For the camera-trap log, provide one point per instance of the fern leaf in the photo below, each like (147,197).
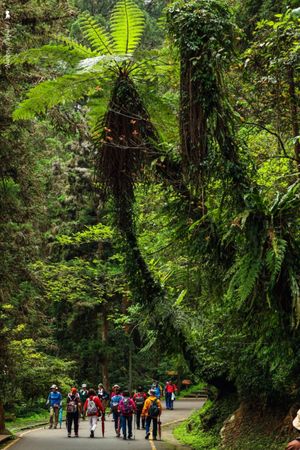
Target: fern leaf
(275,257)
(127,26)
(247,270)
(295,292)
(98,38)
(93,64)
(65,89)
(76,48)
(50,55)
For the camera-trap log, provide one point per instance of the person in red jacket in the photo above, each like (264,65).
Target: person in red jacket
(170,390)
(93,407)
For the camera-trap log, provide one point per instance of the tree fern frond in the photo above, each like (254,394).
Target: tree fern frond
(90,64)
(127,26)
(74,47)
(98,38)
(49,55)
(65,89)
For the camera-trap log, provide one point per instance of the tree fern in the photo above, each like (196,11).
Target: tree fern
(127,26)
(98,38)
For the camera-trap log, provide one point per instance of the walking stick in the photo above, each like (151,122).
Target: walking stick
(103,424)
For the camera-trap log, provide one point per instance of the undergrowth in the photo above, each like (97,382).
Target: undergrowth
(201,431)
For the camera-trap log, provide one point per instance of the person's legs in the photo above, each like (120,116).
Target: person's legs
(51,417)
(123,425)
(69,421)
(168,400)
(148,423)
(76,423)
(56,411)
(129,420)
(90,419)
(154,428)
(143,422)
(94,423)
(115,417)
(138,419)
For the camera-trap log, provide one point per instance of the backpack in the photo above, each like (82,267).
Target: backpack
(125,407)
(92,408)
(153,410)
(72,405)
(139,401)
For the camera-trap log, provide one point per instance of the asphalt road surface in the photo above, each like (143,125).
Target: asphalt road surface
(45,439)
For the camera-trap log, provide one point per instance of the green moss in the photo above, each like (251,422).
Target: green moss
(196,439)
(191,432)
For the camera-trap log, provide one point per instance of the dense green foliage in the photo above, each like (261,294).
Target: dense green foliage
(150,211)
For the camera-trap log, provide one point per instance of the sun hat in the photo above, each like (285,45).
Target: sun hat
(83,385)
(296,421)
(152,392)
(53,386)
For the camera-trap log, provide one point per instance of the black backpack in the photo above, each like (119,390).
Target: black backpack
(153,410)
(139,401)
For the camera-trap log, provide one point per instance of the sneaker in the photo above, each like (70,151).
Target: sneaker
(69,435)
(50,426)
(147,435)
(154,438)
(92,434)
(76,435)
(124,437)
(55,426)
(138,428)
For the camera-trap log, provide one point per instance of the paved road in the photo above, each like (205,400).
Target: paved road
(44,439)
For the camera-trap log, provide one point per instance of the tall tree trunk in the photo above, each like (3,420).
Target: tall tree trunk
(294,113)
(2,419)
(105,373)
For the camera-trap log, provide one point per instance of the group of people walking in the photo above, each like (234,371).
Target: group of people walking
(123,405)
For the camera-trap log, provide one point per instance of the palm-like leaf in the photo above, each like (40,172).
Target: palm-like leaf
(65,89)
(127,26)
(98,38)
(71,52)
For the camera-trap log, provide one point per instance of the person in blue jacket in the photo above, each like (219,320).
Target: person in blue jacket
(55,402)
(114,407)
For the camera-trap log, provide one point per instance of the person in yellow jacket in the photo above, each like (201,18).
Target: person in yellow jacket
(152,410)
